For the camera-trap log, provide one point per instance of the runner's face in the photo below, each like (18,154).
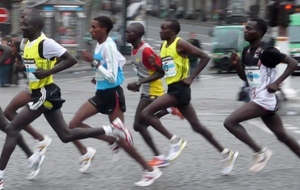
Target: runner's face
(24,13)
(130,36)
(250,32)
(165,30)
(27,27)
(96,30)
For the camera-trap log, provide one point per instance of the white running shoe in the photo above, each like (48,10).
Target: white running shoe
(85,160)
(41,146)
(176,149)
(149,177)
(121,132)
(1,184)
(116,151)
(260,159)
(229,161)
(34,163)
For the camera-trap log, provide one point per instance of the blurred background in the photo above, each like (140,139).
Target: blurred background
(66,20)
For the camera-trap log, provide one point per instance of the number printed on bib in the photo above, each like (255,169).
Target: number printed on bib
(30,68)
(253,78)
(168,66)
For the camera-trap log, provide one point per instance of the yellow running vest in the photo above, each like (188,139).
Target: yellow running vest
(176,67)
(33,61)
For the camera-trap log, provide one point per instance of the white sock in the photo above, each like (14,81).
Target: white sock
(173,138)
(169,110)
(161,156)
(33,157)
(2,174)
(107,129)
(226,150)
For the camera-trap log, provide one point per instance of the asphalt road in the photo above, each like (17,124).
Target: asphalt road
(214,98)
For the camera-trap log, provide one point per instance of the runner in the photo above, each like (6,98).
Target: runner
(22,98)
(109,98)
(173,53)
(151,87)
(258,68)
(46,96)
(32,157)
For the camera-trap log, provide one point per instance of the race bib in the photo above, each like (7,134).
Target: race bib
(253,78)
(30,68)
(168,66)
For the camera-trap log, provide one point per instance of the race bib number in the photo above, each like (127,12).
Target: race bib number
(30,68)
(168,66)
(253,78)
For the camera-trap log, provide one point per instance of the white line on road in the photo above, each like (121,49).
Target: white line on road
(291,128)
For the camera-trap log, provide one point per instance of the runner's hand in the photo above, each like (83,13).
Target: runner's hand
(93,81)
(87,56)
(234,58)
(41,73)
(133,87)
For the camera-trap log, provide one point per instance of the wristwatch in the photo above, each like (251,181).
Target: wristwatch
(138,83)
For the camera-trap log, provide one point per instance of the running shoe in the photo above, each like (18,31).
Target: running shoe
(121,132)
(1,184)
(85,160)
(116,152)
(34,163)
(260,159)
(229,160)
(149,177)
(158,162)
(175,111)
(41,146)
(176,148)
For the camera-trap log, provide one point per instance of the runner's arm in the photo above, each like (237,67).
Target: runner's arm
(184,48)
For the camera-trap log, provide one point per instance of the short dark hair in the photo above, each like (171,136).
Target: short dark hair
(139,28)
(261,24)
(175,25)
(105,21)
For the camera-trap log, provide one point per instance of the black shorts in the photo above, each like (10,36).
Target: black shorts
(49,97)
(106,101)
(181,91)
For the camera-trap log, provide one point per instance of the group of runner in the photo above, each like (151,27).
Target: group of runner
(44,57)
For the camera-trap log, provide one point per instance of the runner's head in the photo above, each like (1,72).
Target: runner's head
(32,25)
(169,28)
(26,12)
(100,27)
(134,32)
(255,29)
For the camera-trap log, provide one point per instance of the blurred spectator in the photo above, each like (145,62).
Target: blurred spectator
(16,62)
(5,69)
(193,60)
